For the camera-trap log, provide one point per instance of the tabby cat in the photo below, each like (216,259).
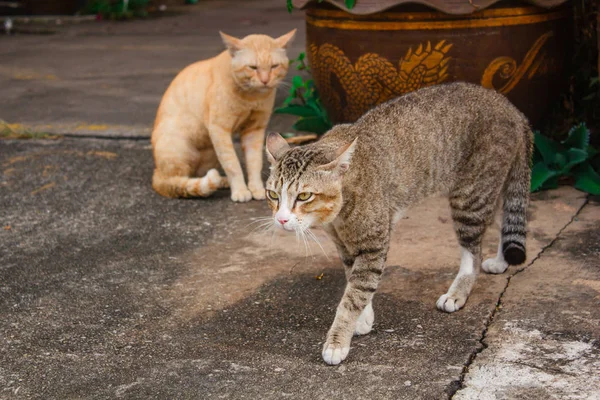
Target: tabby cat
(460,139)
(208,102)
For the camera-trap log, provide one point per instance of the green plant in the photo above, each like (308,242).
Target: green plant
(573,157)
(303,101)
(117,9)
(349,4)
(18,131)
(580,102)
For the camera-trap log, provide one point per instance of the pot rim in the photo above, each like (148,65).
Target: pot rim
(366,7)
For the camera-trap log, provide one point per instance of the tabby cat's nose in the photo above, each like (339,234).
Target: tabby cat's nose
(282,221)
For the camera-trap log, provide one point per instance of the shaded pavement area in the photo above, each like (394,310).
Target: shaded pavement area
(108,290)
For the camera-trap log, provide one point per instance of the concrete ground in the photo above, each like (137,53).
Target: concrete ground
(108,290)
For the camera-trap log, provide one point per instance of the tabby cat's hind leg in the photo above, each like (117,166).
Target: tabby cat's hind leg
(473,203)
(459,291)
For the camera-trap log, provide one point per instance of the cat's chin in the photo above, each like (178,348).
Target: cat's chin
(285,228)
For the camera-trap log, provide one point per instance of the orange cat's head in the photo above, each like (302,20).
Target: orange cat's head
(258,62)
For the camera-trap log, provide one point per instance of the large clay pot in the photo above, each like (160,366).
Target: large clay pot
(359,61)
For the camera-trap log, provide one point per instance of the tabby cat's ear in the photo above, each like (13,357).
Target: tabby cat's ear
(342,161)
(285,40)
(276,146)
(233,44)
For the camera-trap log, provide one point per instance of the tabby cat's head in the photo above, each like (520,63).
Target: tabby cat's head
(258,62)
(305,185)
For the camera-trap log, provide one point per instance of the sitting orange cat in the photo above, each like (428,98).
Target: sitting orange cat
(204,105)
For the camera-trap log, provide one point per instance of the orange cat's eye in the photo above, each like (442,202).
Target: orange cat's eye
(304,196)
(272,195)
(254,67)
(274,66)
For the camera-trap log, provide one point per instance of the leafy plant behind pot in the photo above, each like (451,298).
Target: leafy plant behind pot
(303,101)
(349,4)
(117,9)
(573,157)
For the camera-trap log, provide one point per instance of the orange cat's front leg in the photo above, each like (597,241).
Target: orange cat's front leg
(223,144)
(252,144)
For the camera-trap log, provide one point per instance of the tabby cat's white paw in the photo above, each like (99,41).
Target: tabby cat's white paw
(241,195)
(334,354)
(364,324)
(450,303)
(494,266)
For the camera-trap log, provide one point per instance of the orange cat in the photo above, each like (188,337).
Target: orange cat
(208,102)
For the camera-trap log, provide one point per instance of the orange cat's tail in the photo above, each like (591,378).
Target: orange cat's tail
(184,186)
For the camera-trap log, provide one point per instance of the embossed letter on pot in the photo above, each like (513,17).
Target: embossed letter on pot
(380,49)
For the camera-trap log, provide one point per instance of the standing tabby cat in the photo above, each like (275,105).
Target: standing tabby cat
(459,139)
(204,105)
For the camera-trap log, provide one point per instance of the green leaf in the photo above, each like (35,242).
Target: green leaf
(290,6)
(350,4)
(312,124)
(579,137)
(547,148)
(540,174)
(587,180)
(299,110)
(575,156)
(559,161)
(589,97)
(537,157)
(297,82)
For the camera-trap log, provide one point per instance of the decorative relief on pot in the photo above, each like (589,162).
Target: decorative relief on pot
(506,67)
(373,79)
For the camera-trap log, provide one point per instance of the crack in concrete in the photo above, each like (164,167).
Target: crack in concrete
(455,386)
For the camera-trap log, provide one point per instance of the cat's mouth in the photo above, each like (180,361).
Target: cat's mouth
(286,226)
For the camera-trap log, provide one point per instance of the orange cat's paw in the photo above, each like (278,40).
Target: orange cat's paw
(241,195)
(258,191)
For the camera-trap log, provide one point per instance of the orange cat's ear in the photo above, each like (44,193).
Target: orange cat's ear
(276,146)
(233,44)
(342,161)
(285,40)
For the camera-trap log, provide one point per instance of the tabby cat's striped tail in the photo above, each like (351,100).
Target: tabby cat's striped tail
(516,200)
(183,186)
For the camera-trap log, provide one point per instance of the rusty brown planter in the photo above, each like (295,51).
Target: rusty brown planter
(359,61)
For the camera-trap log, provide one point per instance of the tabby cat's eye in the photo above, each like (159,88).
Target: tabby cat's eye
(272,195)
(274,66)
(304,196)
(254,67)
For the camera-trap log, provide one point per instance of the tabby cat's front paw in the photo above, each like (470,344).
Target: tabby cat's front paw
(335,353)
(241,195)
(258,190)
(451,302)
